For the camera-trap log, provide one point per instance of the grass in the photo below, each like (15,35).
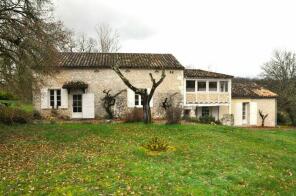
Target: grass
(86,159)
(18,104)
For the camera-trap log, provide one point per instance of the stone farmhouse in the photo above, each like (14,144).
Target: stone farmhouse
(199,92)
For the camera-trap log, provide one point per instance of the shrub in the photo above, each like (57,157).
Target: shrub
(13,115)
(207,119)
(283,119)
(156,144)
(135,115)
(173,115)
(6,96)
(191,119)
(36,115)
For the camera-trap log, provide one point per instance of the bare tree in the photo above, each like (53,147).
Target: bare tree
(109,102)
(263,117)
(280,76)
(70,44)
(141,91)
(85,44)
(108,38)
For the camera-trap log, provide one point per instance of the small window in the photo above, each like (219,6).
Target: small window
(58,97)
(138,100)
(205,111)
(52,98)
(244,111)
(186,113)
(201,86)
(190,85)
(223,86)
(55,98)
(212,86)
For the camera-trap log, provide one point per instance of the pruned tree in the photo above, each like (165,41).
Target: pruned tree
(280,76)
(29,41)
(147,96)
(109,101)
(108,38)
(173,111)
(168,101)
(263,117)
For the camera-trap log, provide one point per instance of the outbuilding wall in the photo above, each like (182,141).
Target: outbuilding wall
(266,105)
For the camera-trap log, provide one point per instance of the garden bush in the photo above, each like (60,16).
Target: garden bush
(283,119)
(156,144)
(36,115)
(135,115)
(207,119)
(13,115)
(173,115)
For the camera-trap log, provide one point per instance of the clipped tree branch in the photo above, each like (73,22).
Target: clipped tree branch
(109,101)
(263,117)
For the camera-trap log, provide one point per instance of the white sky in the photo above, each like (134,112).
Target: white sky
(229,36)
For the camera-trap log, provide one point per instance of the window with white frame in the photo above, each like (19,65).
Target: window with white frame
(201,86)
(223,86)
(55,98)
(213,86)
(138,100)
(190,85)
(205,111)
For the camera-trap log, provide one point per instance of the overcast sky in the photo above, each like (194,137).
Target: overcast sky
(229,36)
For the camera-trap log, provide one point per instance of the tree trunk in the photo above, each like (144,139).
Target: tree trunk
(109,112)
(262,124)
(146,110)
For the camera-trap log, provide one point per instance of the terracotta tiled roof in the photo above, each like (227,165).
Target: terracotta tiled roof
(127,60)
(250,90)
(198,73)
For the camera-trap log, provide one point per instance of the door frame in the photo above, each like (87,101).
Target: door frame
(77,115)
(245,121)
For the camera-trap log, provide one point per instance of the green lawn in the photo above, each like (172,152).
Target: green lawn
(107,158)
(18,104)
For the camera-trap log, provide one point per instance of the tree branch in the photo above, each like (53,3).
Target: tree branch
(115,67)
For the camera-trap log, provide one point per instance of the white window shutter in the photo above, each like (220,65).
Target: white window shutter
(44,98)
(253,113)
(88,105)
(130,98)
(151,101)
(238,114)
(64,98)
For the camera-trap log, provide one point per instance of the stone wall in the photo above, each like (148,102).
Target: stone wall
(101,79)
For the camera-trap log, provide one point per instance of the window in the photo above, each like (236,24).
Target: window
(58,97)
(55,98)
(138,100)
(244,110)
(77,103)
(205,111)
(52,98)
(223,86)
(212,86)
(201,86)
(190,85)
(186,113)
